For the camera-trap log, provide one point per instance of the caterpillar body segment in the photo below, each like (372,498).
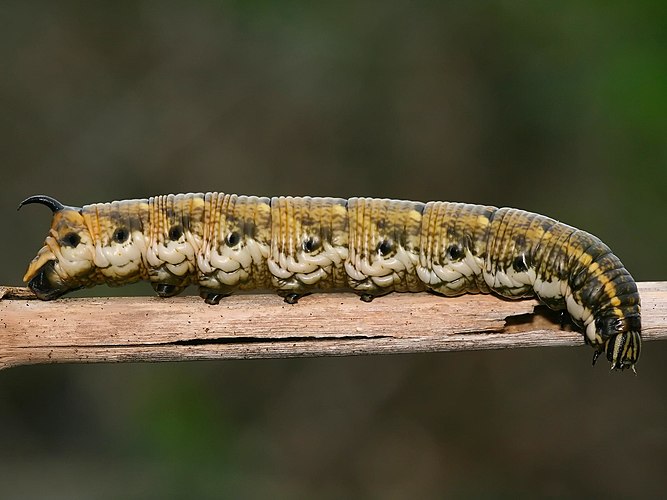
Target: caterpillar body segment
(453,247)
(309,245)
(295,246)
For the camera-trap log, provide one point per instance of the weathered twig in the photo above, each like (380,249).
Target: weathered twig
(263,326)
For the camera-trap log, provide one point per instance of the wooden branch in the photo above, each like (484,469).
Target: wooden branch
(263,326)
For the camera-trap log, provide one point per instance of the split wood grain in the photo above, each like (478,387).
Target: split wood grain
(86,330)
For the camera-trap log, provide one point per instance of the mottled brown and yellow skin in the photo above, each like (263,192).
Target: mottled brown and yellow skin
(296,246)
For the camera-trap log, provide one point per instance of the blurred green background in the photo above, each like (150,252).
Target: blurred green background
(554,107)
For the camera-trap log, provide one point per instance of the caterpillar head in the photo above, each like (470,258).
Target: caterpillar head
(623,350)
(617,334)
(65,262)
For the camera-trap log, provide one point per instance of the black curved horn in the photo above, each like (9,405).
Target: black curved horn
(42,199)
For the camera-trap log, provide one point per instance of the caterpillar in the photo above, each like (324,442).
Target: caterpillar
(298,245)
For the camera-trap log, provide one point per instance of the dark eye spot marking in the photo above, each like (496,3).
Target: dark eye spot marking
(120,235)
(519,264)
(233,239)
(71,240)
(175,233)
(385,247)
(455,252)
(311,244)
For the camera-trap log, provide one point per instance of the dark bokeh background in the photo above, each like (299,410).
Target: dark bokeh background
(555,107)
